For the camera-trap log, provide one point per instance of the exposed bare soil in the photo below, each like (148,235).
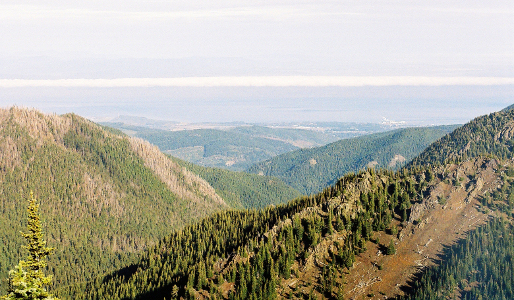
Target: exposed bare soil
(449,208)
(447,211)
(421,242)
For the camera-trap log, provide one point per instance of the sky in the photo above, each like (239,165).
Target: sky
(198,61)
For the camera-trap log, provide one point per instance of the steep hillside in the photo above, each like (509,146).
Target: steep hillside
(243,190)
(369,236)
(310,170)
(311,247)
(510,107)
(233,149)
(104,197)
(477,267)
(488,135)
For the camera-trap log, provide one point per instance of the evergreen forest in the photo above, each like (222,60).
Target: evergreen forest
(138,224)
(105,197)
(311,170)
(235,148)
(243,190)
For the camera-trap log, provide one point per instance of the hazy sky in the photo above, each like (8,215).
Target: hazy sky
(360,37)
(249,43)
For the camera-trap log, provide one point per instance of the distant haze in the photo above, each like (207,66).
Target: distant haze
(416,105)
(424,62)
(132,38)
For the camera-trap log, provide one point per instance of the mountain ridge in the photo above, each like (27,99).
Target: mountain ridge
(105,197)
(486,135)
(235,146)
(243,190)
(310,170)
(388,223)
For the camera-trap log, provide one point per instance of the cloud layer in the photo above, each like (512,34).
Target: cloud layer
(263,81)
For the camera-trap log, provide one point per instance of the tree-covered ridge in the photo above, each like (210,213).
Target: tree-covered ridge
(477,267)
(263,258)
(243,190)
(510,107)
(297,137)
(232,148)
(247,254)
(268,254)
(311,170)
(103,200)
(490,134)
(213,147)
(215,141)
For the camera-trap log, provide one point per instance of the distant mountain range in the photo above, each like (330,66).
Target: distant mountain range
(377,233)
(311,170)
(385,218)
(236,146)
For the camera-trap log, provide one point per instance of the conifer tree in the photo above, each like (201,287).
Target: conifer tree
(391,249)
(27,280)
(330,229)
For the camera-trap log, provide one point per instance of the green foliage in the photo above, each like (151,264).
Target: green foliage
(100,201)
(234,149)
(311,170)
(253,251)
(27,281)
(482,136)
(243,190)
(477,267)
(390,248)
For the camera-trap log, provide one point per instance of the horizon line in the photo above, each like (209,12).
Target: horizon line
(262,81)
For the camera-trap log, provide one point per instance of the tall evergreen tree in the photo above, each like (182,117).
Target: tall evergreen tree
(391,249)
(27,280)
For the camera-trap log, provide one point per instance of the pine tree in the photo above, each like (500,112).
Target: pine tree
(390,249)
(27,280)
(330,229)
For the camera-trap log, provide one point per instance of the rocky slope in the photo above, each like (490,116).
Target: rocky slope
(367,236)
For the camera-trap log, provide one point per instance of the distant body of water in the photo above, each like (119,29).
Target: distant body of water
(415,105)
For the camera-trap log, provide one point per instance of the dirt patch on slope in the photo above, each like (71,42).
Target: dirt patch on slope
(397,159)
(445,215)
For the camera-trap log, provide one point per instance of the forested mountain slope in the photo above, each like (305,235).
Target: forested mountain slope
(243,190)
(309,247)
(364,237)
(510,107)
(311,170)
(489,135)
(233,149)
(104,197)
(249,251)
(477,267)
